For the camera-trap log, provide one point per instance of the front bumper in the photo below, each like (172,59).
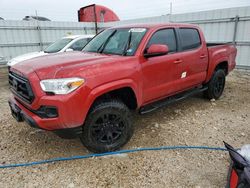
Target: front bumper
(20,113)
(65,111)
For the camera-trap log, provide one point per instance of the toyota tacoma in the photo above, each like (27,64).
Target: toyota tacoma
(93,94)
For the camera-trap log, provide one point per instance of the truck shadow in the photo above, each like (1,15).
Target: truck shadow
(146,134)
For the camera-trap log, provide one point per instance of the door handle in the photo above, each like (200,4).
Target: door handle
(177,61)
(203,56)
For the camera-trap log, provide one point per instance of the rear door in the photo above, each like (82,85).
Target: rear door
(194,58)
(160,74)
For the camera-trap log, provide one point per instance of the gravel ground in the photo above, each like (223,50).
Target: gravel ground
(194,121)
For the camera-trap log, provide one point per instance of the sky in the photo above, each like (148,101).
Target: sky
(130,9)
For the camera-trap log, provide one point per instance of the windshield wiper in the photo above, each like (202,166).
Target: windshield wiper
(102,47)
(127,46)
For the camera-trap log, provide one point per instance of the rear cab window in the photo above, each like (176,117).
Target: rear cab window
(165,37)
(189,38)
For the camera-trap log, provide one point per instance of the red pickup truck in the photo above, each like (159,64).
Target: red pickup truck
(92,94)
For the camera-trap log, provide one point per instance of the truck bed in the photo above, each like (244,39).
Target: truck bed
(222,52)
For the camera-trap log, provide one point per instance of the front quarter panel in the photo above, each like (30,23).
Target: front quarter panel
(103,77)
(105,88)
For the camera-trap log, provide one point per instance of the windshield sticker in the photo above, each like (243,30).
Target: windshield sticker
(130,50)
(137,30)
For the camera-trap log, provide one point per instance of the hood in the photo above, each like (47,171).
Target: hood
(24,57)
(47,67)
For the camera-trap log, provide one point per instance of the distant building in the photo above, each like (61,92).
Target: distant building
(96,13)
(39,18)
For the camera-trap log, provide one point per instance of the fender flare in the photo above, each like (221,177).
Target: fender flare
(105,88)
(212,67)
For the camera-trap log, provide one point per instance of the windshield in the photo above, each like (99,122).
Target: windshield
(124,41)
(58,45)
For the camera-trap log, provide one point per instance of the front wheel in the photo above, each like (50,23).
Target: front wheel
(108,127)
(216,85)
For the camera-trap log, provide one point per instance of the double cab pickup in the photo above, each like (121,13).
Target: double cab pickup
(92,94)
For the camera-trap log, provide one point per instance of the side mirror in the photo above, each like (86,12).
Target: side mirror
(156,50)
(69,50)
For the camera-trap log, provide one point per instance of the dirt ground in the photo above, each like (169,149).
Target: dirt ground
(195,121)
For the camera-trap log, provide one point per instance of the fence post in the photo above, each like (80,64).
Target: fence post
(39,32)
(40,37)
(236,21)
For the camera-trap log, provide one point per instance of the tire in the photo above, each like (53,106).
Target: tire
(216,85)
(108,126)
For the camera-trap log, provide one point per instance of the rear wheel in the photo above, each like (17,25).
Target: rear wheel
(216,85)
(108,127)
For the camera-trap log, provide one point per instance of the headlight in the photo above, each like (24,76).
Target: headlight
(61,86)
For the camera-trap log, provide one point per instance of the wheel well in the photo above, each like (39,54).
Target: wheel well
(223,65)
(126,95)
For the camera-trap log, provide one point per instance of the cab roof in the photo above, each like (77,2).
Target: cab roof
(151,26)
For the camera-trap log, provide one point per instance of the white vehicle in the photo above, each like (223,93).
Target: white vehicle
(2,59)
(66,44)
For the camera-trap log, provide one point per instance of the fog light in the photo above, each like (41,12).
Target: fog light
(47,112)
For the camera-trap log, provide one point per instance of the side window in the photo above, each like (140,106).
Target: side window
(78,45)
(164,36)
(190,38)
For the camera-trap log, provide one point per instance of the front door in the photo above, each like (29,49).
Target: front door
(160,74)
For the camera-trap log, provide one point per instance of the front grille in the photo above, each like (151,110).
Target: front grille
(20,87)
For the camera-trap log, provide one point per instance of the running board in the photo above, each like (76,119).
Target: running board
(169,100)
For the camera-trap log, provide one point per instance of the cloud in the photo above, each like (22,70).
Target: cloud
(129,9)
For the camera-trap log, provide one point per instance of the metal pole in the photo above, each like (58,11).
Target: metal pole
(39,33)
(236,21)
(171,8)
(96,29)
(170,11)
